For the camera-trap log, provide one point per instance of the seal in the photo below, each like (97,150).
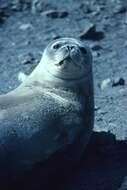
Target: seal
(51,111)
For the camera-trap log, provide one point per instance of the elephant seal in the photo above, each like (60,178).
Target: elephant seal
(51,111)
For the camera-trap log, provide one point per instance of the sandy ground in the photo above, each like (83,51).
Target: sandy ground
(25,29)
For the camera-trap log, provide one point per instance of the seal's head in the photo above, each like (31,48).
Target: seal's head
(67,58)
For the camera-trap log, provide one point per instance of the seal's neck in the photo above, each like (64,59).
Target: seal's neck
(41,76)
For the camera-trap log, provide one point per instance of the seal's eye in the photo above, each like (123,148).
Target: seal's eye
(83,50)
(56,46)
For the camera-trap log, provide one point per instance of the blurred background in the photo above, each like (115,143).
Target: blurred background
(27,26)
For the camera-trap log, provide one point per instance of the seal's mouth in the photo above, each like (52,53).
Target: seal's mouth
(66,61)
(60,63)
(67,69)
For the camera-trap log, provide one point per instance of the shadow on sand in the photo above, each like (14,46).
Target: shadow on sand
(102,167)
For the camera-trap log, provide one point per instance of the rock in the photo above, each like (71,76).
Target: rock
(20,5)
(105,83)
(97,10)
(16,5)
(96,47)
(47,9)
(55,36)
(90,33)
(102,112)
(85,7)
(118,81)
(120,8)
(91,8)
(27,59)
(55,14)
(3,15)
(22,76)
(39,6)
(95,54)
(96,108)
(25,26)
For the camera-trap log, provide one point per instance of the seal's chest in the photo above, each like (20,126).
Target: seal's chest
(64,103)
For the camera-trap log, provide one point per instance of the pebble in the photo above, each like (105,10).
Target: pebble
(105,83)
(118,82)
(96,54)
(96,108)
(95,47)
(20,5)
(39,6)
(22,77)
(55,14)
(25,26)
(16,5)
(27,59)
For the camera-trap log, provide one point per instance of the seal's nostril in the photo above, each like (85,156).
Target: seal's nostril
(70,47)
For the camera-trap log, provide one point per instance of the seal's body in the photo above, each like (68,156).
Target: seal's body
(51,110)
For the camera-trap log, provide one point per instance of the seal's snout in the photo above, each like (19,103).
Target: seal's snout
(70,53)
(71,49)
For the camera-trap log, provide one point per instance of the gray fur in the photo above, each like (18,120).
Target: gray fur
(43,115)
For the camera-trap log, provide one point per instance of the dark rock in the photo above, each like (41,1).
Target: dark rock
(27,59)
(55,14)
(118,81)
(3,15)
(90,33)
(120,8)
(85,7)
(55,36)
(96,47)
(96,108)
